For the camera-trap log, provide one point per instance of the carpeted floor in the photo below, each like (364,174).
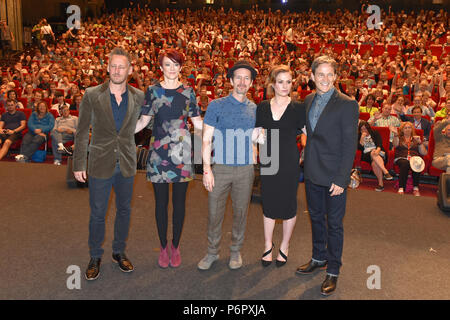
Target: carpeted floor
(45,229)
(427,185)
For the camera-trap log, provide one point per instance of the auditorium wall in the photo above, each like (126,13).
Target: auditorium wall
(34,10)
(54,10)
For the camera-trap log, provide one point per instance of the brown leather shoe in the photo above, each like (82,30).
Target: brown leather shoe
(329,285)
(124,264)
(310,267)
(93,269)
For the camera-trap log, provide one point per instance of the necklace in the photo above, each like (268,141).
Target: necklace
(279,109)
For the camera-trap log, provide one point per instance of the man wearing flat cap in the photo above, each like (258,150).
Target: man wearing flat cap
(230,121)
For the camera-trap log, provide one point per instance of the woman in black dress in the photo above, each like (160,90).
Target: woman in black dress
(279,191)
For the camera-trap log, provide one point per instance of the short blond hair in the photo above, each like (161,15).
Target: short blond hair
(119,51)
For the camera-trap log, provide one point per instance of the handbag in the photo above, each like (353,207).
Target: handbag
(355,179)
(40,155)
(142,154)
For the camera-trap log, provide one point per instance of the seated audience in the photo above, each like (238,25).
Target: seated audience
(441,155)
(372,151)
(40,124)
(427,110)
(12,123)
(419,122)
(368,104)
(444,111)
(64,131)
(385,119)
(407,144)
(13,96)
(60,103)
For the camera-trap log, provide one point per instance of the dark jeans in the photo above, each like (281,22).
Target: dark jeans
(179,208)
(326,214)
(59,137)
(99,192)
(30,143)
(404,167)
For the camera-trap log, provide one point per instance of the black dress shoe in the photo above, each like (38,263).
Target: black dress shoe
(266,263)
(93,269)
(124,264)
(280,263)
(329,285)
(310,267)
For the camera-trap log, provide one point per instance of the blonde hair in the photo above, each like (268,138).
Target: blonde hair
(119,51)
(401,134)
(274,72)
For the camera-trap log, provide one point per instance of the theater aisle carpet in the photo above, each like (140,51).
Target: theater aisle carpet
(45,230)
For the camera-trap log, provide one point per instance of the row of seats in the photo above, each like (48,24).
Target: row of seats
(376,50)
(385,134)
(48,101)
(366,116)
(16,145)
(28,112)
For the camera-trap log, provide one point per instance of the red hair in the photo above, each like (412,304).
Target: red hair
(173,55)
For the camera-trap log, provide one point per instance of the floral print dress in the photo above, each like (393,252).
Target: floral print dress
(170,157)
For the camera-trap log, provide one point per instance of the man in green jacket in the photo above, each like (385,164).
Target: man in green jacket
(112,109)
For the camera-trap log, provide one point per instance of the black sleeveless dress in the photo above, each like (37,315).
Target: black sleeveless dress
(279,190)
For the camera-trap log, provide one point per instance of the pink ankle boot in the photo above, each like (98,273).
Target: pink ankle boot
(175,257)
(163,260)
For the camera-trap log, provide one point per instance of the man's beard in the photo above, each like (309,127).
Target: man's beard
(120,81)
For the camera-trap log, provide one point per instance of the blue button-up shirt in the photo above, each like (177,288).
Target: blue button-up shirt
(317,106)
(119,110)
(233,122)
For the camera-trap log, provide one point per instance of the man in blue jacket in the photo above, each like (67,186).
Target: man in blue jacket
(419,122)
(332,127)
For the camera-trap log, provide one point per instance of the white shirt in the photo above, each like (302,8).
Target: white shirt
(57,107)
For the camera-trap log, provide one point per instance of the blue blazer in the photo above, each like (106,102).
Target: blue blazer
(331,148)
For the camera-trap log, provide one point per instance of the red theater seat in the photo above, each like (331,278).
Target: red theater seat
(364,116)
(378,50)
(384,133)
(27,112)
(392,49)
(436,50)
(364,48)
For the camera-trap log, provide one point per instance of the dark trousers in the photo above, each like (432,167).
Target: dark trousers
(326,214)
(30,143)
(99,192)
(404,167)
(179,208)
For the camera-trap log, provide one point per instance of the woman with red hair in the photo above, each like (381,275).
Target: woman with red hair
(169,104)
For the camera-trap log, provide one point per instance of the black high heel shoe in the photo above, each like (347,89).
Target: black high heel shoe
(266,263)
(279,263)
